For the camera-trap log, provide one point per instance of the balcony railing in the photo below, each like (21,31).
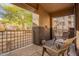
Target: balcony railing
(14,39)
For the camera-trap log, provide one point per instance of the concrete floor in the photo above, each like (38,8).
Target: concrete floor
(31,50)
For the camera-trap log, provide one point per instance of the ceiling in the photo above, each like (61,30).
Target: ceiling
(49,7)
(53,7)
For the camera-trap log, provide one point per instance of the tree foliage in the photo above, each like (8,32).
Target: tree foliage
(16,16)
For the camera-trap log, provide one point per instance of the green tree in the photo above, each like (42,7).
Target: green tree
(16,15)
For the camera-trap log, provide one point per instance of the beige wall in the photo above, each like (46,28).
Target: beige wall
(44,18)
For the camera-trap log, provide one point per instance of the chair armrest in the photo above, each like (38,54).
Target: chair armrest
(52,50)
(43,42)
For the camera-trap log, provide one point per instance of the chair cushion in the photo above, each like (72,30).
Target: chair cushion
(54,44)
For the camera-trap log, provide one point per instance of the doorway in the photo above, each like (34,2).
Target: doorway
(64,24)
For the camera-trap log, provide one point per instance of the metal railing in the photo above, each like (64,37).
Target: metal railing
(14,39)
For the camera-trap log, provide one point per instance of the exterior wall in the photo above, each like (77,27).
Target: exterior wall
(44,18)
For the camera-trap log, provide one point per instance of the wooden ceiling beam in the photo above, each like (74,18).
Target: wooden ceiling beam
(26,6)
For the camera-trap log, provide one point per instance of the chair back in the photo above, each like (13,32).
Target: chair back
(65,35)
(68,42)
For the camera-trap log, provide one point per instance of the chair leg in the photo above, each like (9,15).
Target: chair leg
(43,51)
(68,51)
(62,54)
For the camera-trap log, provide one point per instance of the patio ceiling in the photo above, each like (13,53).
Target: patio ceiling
(54,7)
(50,7)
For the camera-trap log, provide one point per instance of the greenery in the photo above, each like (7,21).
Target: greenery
(16,16)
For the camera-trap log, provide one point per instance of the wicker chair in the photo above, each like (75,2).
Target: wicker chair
(57,52)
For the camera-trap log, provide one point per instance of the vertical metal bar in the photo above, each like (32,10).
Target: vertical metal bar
(11,32)
(6,41)
(27,38)
(17,39)
(2,42)
(20,38)
(10,40)
(23,37)
(14,39)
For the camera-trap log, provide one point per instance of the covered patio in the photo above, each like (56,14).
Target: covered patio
(52,23)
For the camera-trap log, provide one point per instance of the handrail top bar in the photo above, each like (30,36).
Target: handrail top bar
(15,30)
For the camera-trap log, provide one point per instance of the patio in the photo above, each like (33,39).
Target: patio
(32,50)
(24,28)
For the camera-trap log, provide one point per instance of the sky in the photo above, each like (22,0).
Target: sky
(2,11)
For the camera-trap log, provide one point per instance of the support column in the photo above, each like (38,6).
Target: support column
(50,27)
(76,12)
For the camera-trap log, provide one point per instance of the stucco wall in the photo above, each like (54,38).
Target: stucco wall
(44,18)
